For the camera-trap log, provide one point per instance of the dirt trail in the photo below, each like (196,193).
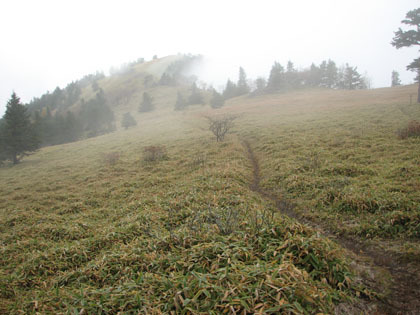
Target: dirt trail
(404,295)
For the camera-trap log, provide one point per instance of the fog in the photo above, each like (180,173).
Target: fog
(50,43)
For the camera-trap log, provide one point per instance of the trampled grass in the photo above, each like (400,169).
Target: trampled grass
(185,234)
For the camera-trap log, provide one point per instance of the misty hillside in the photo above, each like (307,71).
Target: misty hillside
(279,173)
(162,218)
(125,85)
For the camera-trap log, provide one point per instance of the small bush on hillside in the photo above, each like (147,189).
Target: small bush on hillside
(412,130)
(112,158)
(199,160)
(220,126)
(154,153)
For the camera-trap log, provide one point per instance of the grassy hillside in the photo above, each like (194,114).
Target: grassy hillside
(91,227)
(124,89)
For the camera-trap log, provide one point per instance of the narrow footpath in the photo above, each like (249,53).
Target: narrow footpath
(404,295)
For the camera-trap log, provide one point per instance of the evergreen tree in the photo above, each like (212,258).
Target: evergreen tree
(242,86)
(128,121)
(147,103)
(18,136)
(3,154)
(276,80)
(217,100)
(291,76)
(167,79)
(395,78)
(410,38)
(323,73)
(72,129)
(260,85)
(97,116)
(73,92)
(331,75)
(180,103)
(195,97)
(314,78)
(230,90)
(352,79)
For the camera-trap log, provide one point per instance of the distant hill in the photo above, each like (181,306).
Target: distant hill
(124,86)
(95,104)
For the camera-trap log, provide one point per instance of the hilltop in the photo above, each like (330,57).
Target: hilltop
(255,224)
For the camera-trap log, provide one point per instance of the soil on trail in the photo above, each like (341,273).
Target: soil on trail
(403,296)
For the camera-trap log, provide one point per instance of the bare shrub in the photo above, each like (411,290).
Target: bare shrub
(412,130)
(220,125)
(199,160)
(112,158)
(153,153)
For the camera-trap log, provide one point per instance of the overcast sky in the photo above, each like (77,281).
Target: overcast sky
(47,43)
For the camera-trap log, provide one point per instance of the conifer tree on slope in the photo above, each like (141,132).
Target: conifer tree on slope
(410,38)
(18,137)
(242,86)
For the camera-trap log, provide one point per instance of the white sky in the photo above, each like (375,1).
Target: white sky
(47,43)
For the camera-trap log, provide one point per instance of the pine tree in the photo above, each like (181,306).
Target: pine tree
(395,78)
(180,103)
(128,121)
(230,90)
(410,38)
(195,97)
(97,116)
(276,81)
(291,76)
(260,85)
(72,129)
(18,135)
(331,75)
(314,79)
(352,79)
(242,86)
(217,100)
(147,103)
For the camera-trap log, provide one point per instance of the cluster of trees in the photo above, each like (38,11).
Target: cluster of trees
(326,75)
(62,99)
(195,98)
(177,71)
(238,89)
(94,118)
(22,132)
(56,126)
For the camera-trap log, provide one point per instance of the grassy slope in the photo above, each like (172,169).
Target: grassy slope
(78,233)
(336,155)
(124,91)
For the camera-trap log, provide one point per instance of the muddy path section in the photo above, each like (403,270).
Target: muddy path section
(404,295)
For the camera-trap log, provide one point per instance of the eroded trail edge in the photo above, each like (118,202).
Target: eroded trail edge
(404,295)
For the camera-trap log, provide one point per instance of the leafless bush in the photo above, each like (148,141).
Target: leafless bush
(199,160)
(227,221)
(112,158)
(154,153)
(412,130)
(220,125)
